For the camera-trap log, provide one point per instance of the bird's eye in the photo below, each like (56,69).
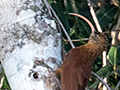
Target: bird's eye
(95,35)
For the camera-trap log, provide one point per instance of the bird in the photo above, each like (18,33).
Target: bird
(76,68)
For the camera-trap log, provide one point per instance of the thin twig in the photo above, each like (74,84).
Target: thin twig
(76,40)
(41,63)
(118,84)
(94,16)
(101,80)
(1,82)
(64,30)
(71,43)
(114,45)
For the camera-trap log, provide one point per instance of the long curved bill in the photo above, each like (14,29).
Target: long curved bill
(84,18)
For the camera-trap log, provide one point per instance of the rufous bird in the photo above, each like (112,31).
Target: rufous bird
(77,66)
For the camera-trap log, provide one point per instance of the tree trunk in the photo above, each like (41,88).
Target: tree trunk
(28,35)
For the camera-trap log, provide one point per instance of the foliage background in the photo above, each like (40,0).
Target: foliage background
(108,15)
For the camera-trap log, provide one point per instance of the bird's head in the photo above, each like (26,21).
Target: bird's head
(99,39)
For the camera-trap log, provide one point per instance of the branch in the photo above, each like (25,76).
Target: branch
(41,63)
(118,84)
(94,16)
(55,15)
(76,40)
(101,80)
(1,82)
(115,45)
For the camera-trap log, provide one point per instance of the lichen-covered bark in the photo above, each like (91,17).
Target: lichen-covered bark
(28,34)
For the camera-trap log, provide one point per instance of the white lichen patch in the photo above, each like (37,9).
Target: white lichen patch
(22,60)
(8,10)
(51,23)
(26,17)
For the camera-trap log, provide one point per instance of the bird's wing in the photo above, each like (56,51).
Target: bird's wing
(83,78)
(69,77)
(74,55)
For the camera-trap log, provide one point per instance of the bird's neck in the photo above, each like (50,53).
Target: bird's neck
(96,47)
(94,50)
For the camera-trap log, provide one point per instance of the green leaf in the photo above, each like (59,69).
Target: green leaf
(72,31)
(70,5)
(103,72)
(118,58)
(106,14)
(59,9)
(85,28)
(95,84)
(112,55)
(118,70)
(80,7)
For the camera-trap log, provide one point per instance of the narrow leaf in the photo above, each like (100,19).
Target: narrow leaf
(106,14)
(112,54)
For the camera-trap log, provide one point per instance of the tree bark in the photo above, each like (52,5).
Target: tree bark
(29,34)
